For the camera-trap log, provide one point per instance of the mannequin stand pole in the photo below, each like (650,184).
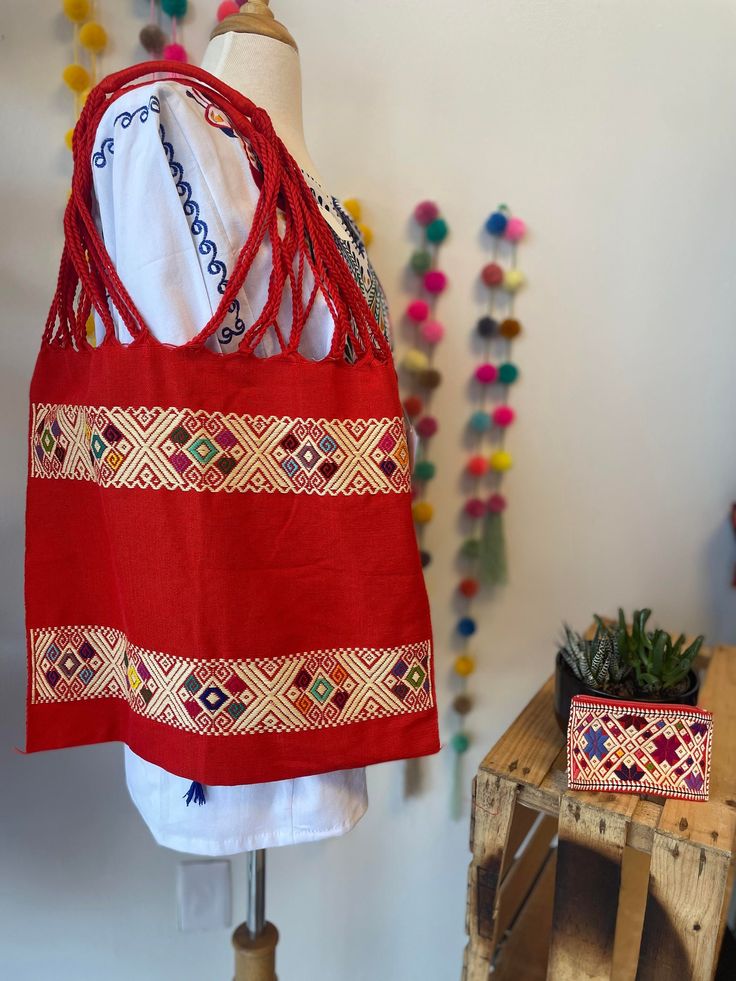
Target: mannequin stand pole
(255,940)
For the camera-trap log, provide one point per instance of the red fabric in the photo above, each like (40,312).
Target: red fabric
(172,575)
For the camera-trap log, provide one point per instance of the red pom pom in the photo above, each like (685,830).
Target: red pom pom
(496,503)
(492,274)
(418,310)
(175,52)
(486,373)
(426,212)
(427,426)
(413,405)
(227,8)
(475,508)
(435,281)
(469,587)
(503,415)
(477,466)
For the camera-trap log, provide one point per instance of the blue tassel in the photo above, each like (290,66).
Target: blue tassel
(196,794)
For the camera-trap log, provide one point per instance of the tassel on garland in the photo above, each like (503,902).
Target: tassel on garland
(460,744)
(196,794)
(413,778)
(492,565)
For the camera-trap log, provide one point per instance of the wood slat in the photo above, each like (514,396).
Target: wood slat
(523,874)
(523,956)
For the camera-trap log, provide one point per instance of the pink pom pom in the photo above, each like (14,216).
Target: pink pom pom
(477,466)
(427,427)
(503,415)
(496,503)
(435,281)
(175,52)
(475,508)
(227,8)
(486,374)
(492,274)
(515,230)
(418,310)
(426,212)
(432,331)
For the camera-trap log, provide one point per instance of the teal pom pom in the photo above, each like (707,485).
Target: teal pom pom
(470,548)
(174,8)
(437,231)
(480,422)
(424,470)
(421,261)
(507,373)
(460,743)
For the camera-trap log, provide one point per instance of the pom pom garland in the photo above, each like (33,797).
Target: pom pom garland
(430,378)
(509,328)
(69,138)
(417,311)
(515,230)
(77,78)
(413,405)
(501,461)
(487,327)
(496,504)
(462,704)
(475,508)
(507,373)
(435,281)
(415,361)
(424,470)
(423,512)
(77,10)
(492,274)
(460,743)
(486,374)
(480,421)
(503,415)
(93,37)
(466,626)
(152,38)
(427,427)
(477,466)
(469,587)
(227,9)
(464,665)
(432,331)
(513,280)
(470,548)
(496,224)
(366,234)
(174,8)
(420,261)
(437,231)
(353,208)
(425,213)
(175,52)
(425,558)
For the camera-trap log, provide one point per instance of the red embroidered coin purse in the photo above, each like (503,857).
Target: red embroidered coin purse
(639,748)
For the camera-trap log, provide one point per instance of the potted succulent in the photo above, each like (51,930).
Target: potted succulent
(627,662)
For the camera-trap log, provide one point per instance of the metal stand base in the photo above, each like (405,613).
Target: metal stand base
(255,940)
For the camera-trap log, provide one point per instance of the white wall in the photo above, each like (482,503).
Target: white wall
(609,126)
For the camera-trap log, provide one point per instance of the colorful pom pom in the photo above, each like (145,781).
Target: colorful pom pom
(487,327)
(477,466)
(480,421)
(415,360)
(77,10)
(353,208)
(507,373)
(435,281)
(152,38)
(503,415)
(470,548)
(469,587)
(424,470)
(418,311)
(420,261)
(460,743)
(366,233)
(432,331)
(492,274)
(509,328)
(486,374)
(496,504)
(426,212)
(462,704)
(437,231)
(515,230)
(464,665)
(175,52)
(77,78)
(413,405)
(466,626)
(513,280)
(423,512)
(228,8)
(425,558)
(69,138)
(427,427)
(475,508)
(430,378)
(496,224)
(174,8)
(501,460)
(93,37)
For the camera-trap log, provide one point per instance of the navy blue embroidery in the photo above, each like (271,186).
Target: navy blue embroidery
(125,119)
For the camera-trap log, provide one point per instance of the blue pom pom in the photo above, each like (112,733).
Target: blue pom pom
(496,224)
(480,422)
(466,626)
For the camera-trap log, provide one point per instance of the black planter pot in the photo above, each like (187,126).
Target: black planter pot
(568,685)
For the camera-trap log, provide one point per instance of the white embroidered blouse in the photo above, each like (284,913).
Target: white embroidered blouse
(175,197)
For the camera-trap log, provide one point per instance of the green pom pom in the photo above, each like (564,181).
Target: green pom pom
(507,373)
(174,8)
(424,470)
(437,231)
(460,742)
(470,548)
(421,261)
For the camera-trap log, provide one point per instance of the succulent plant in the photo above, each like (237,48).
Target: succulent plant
(596,661)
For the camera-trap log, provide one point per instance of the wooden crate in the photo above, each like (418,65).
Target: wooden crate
(636,888)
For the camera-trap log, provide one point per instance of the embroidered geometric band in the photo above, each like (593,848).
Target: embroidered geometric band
(219,697)
(629,747)
(189,449)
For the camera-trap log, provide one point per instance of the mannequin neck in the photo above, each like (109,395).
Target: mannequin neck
(268,72)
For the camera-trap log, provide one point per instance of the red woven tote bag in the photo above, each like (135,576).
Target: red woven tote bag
(221,567)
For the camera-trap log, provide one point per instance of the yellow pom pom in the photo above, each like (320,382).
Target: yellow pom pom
(353,208)
(501,460)
(77,10)
(367,234)
(76,77)
(83,96)
(91,329)
(513,280)
(93,37)
(68,139)
(415,360)
(423,512)
(464,665)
